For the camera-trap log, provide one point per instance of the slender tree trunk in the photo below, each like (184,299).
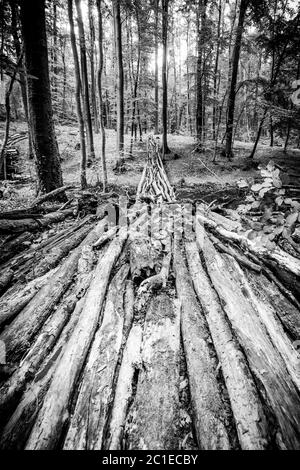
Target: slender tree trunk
(235,67)
(39,96)
(120,76)
(7,123)
(64,90)
(78,96)
(188,105)
(100,72)
(156,118)
(17,44)
(92,60)
(165,7)
(85,83)
(200,26)
(216,69)
(55,69)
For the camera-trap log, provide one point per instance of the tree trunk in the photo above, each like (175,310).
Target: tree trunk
(120,76)
(156,118)
(165,7)
(100,73)
(78,96)
(216,70)
(235,67)
(92,60)
(85,83)
(18,46)
(39,96)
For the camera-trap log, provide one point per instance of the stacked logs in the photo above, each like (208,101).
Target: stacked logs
(167,331)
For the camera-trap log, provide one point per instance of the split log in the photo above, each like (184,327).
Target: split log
(250,420)
(20,332)
(131,363)
(17,429)
(54,412)
(48,334)
(285,308)
(53,257)
(263,358)
(5,279)
(208,406)
(32,225)
(16,298)
(269,317)
(153,417)
(243,260)
(88,422)
(18,335)
(13,247)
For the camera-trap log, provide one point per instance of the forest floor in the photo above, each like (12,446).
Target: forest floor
(193,175)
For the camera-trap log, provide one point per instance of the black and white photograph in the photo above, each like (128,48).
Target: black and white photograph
(149,228)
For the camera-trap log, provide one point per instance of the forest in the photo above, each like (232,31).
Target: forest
(149,225)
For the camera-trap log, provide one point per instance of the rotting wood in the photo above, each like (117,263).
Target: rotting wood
(124,388)
(49,333)
(208,406)
(15,226)
(264,360)
(88,421)
(246,406)
(54,412)
(152,421)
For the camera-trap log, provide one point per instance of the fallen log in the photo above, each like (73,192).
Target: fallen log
(48,334)
(52,195)
(88,421)
(241,259)
(248,412)
(131,363)
(32,225)
(5,279)
(207,403)
(17,429)
(285,306)
(152,420)
(16,298)
(20,332)
(54,412)
(265,362)
(279,257)
(13,247)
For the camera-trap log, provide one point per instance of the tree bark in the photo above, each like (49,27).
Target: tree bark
(101,105)
(92,61)
(235,67)
(85,82)
(39,96)
(120,76)
(156,118)
(78,89)
(165,16)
